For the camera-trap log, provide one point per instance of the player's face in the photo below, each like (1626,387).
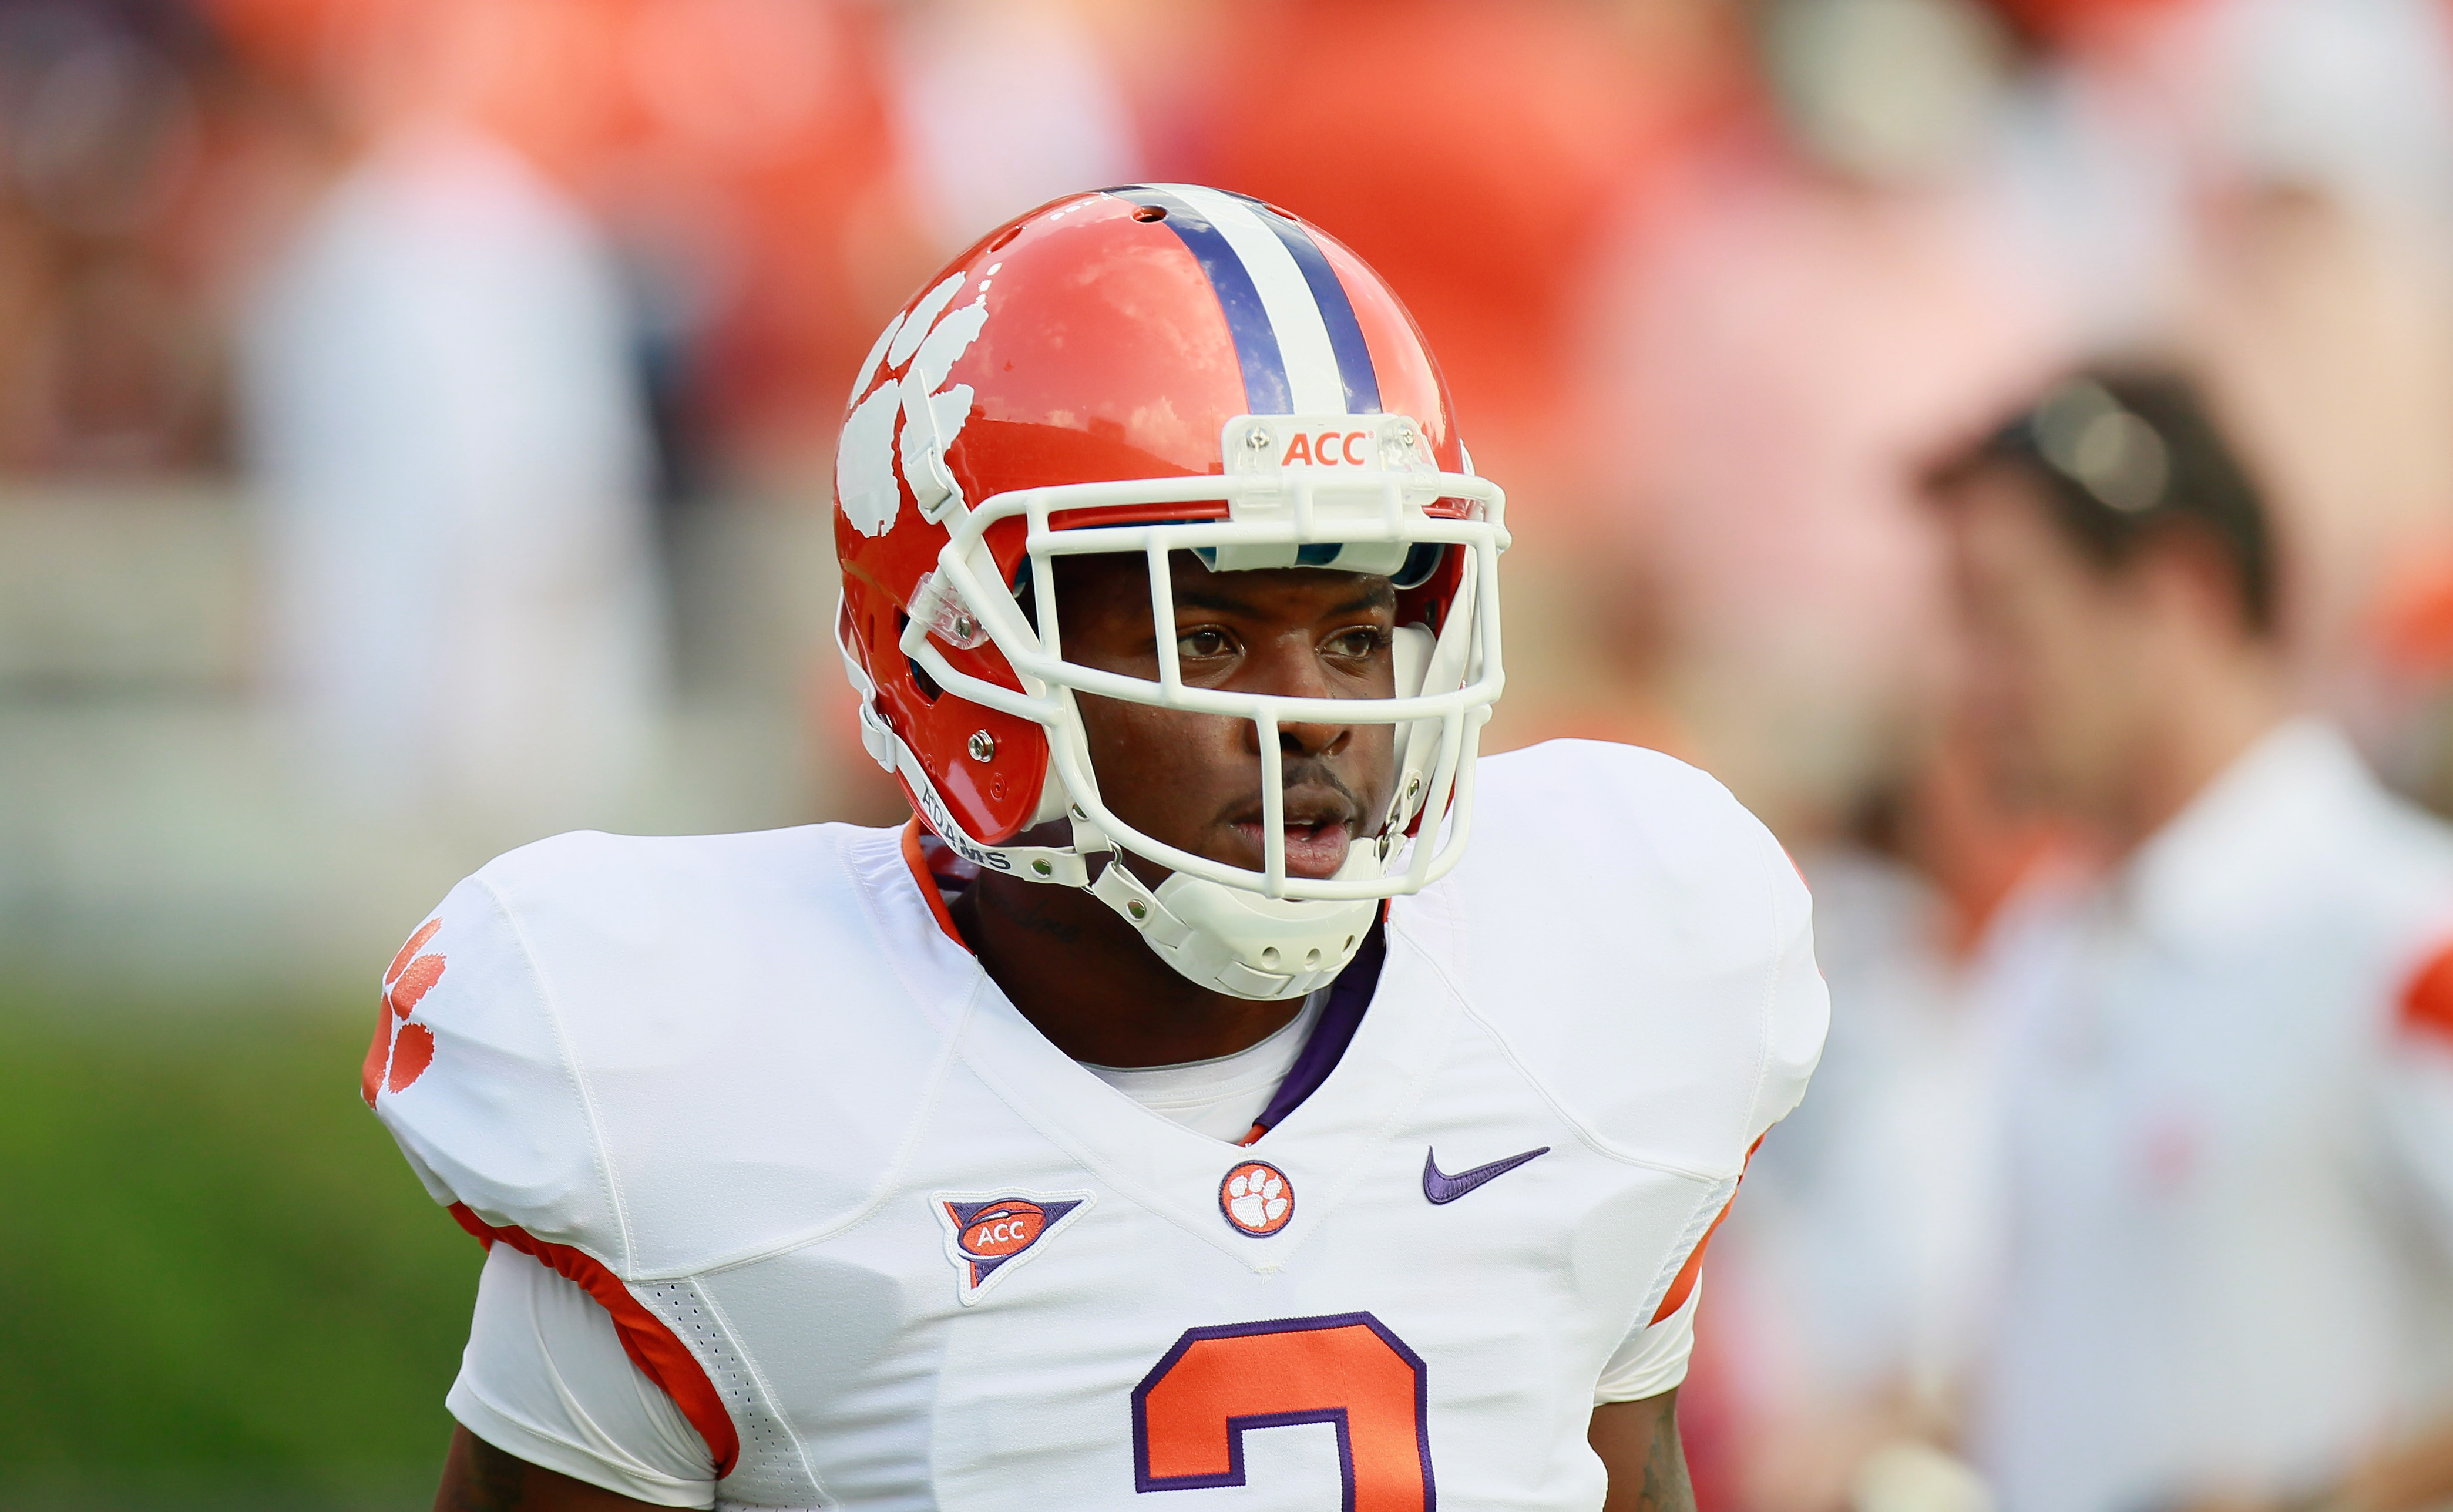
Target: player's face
(2054,672)
(1193,781)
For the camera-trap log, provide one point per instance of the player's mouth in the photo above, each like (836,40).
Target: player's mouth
(1312,851)
(1319,832)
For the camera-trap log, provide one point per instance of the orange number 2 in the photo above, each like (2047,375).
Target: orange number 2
(1192,1411)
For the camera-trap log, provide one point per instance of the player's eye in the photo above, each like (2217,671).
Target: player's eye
(1204,642)
(1358,643)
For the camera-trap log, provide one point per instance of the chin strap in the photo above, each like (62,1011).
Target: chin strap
(1060,864)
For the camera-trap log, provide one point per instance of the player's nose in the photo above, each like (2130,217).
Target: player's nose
(1290,667)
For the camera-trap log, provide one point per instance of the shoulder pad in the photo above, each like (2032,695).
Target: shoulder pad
(1643,946)
(671,1051)
(468,1074)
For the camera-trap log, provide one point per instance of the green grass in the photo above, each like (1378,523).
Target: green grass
(219,1284)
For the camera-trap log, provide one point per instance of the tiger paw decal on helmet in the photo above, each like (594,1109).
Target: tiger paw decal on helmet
(402,1049)
(932,341)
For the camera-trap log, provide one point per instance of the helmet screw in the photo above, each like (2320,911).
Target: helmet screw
(1137,910)
(1042,868)
(1258,438)
(1413,783)
(983,746)
(965,626)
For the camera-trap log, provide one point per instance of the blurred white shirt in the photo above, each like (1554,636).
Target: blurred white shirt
(2229,1242)
(451,452)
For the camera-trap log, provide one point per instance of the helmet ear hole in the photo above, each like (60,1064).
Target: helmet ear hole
(930,691)
(1026,594)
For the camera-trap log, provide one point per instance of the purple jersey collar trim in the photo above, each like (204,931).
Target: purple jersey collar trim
(1348,998)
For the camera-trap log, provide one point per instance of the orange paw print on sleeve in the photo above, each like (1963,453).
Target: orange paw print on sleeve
(402,1050)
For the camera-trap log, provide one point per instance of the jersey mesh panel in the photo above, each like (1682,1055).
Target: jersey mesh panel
(770,1472)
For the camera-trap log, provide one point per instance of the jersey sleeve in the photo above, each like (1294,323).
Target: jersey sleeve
(1797,1007)
(546,1377)
(469,1072)
(1653,1357)
(1795,1017)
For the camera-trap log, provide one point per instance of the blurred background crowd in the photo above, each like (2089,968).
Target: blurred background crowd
(415,426)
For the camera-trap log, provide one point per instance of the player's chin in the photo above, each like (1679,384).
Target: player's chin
(1314,851)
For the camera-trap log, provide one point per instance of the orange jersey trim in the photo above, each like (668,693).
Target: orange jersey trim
(1683,1285)
(654,1348)
(918,861)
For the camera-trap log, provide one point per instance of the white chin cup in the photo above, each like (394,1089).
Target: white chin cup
(1234,940)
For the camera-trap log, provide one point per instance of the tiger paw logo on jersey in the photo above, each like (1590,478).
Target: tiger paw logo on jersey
(402,1050)
(988,1235)
(1257,1199)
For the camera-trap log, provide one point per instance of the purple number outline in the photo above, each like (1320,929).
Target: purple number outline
(1143,1481)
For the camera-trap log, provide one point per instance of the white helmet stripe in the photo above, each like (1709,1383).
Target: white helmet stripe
(1314,386)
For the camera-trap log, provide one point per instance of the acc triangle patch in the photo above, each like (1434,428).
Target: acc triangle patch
(987,1234)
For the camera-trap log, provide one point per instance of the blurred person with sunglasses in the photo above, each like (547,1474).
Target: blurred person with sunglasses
(2227,1118)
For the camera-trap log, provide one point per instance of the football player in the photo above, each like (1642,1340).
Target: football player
(1175,1108)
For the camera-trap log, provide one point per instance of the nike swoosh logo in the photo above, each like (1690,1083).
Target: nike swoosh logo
(1440,1187)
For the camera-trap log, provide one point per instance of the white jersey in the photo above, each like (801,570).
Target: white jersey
(2230,1133)
(879,1243)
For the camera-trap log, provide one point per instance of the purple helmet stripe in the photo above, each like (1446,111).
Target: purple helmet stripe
(1362,381)
(1266,389)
